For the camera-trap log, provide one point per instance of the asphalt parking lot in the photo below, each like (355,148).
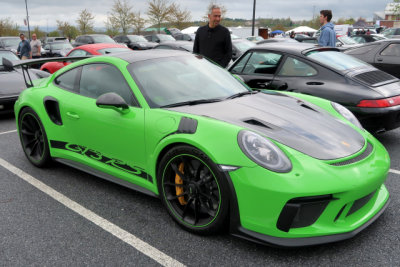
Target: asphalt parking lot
(63,217)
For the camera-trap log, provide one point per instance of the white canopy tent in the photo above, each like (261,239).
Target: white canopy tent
(190,30)
(301,29)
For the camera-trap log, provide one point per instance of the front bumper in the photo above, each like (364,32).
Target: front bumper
(313,204)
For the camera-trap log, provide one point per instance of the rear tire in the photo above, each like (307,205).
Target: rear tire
(193,189)
(33,138)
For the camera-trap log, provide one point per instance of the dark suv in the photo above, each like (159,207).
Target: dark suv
(93,39)
(135,42)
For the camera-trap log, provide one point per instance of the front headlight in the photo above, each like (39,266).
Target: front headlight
(263,152)
(347,114)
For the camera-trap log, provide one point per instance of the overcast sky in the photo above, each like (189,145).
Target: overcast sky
(45,13)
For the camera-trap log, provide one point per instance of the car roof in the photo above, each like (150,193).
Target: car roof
(136,56)
(4,37)
(293,48)
(98,46)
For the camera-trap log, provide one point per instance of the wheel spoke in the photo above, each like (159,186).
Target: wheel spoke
(188,165)
(206,180)
(30,143)
(27,126)
(177,171)
(196,211)
(172,197)
(189,202)
(34,147)
(25,131)
(198,172)
(174,185)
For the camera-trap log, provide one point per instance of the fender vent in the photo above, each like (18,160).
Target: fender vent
(360,157)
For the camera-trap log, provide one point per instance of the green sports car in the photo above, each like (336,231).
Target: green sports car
(281,169)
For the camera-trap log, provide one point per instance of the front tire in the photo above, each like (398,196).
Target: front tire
(193,189)
(33,138)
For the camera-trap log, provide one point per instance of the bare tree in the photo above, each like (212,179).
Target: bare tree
(159,11)
(112,29)
(7,27)
(85,22)
(121,16)
(179,18)
(138,23)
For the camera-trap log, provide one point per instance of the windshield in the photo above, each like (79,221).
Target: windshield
(336,60)
(59,46)
(106,51)
(164,37)
(8,55)
(11,42)
(171,80)
(347,40)
(244,45)
(137,38)
(103,39)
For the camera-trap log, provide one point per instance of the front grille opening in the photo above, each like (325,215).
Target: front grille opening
(359,203)
(374,77)
(302,212)
(360,157)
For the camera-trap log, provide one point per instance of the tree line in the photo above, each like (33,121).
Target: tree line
(123,19)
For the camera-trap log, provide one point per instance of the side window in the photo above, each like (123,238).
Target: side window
(239,66)
(361,50)
(98,79)
(294,67)
(162,47)
(68,80)
(262,63)
(78,53)
(391,50)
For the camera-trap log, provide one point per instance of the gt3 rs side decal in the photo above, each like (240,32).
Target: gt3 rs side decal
(96,155)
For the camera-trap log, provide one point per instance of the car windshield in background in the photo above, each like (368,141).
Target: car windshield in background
(106,51)
(173,80)
(336,60)
(137,38)
(103,39)
(60,46)
(164,37)
(11,41)
(243,46)
(347,40)
(8,55)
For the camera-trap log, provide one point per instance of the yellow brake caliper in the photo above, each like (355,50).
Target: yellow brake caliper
(179,189)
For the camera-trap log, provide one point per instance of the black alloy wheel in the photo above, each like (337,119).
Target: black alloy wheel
(33,138)
(193,189)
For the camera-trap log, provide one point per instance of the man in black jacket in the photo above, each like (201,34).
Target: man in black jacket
(214,40)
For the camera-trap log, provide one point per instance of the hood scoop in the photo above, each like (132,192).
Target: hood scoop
(257,122)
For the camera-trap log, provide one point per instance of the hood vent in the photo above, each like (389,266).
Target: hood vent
(257,123)
(375,77)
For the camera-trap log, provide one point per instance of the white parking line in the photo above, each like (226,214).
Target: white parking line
(113,229)
(13,131)
(394,171)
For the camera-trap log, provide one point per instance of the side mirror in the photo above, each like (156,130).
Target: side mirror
(112,101)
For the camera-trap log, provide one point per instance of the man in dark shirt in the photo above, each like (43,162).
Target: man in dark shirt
(24,48)
(214,40)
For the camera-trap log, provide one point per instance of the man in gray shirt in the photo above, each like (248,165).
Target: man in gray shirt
(36,46)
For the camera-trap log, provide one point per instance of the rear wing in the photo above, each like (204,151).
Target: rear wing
(24,64)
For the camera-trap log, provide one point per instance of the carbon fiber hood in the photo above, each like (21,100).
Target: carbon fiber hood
(290,121)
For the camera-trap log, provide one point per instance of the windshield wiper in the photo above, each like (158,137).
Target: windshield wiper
(242,94)
(192,102)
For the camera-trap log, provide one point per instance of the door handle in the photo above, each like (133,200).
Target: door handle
(314,83)
(72,115)
(379,59)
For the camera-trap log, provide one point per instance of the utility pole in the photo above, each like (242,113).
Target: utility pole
(313,13)
(27,19)
(254,18)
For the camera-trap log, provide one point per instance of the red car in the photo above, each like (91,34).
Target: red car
(84,50)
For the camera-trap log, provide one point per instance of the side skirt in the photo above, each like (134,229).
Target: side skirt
(105,176)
